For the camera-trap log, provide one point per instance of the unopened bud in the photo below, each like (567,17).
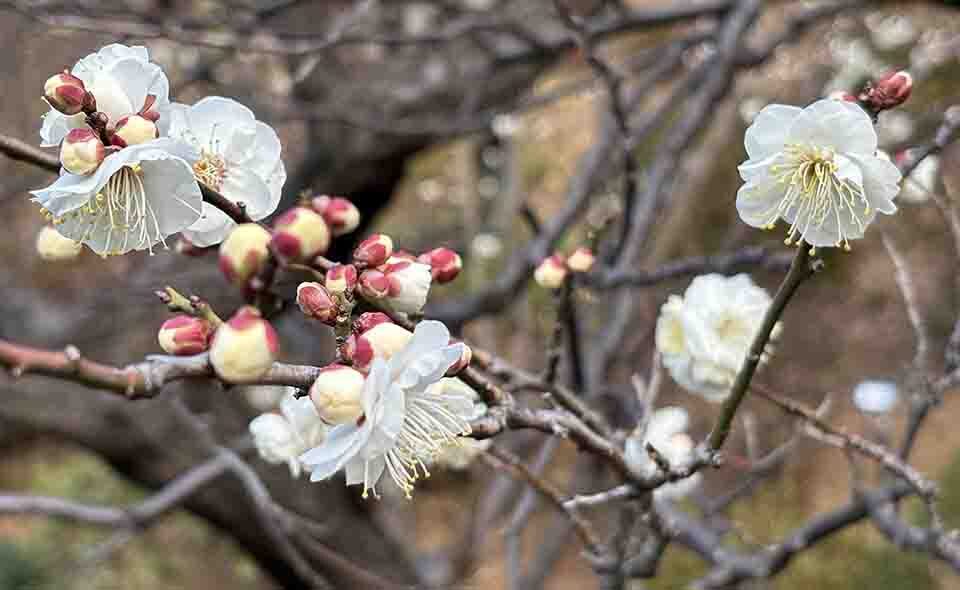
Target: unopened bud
(317,303)
(408,284)
(383,341)
(243,348)
(244,252)
(65,93)
(300,234)
(341,278)
(374,284)
(340,214)
(445,264)
(184,335)
(366,321)
(134,130)
(400,256)
(889,91)
(54,246)
(337,393)
(466,355)
(373,251)
(581,260)
(82,151)
(551,273)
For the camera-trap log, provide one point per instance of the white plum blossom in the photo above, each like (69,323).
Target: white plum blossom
(121,78)
(875,396)
(233,153)
(137,197)
(460,455)
(703,337)
(281,438)
(405,423)
(666,432)
(816,168)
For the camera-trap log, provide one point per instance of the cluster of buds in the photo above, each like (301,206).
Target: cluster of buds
(244,348)
(300,235)
(340,214)
(890,91)
(244,253)
(184,335)
(552,272)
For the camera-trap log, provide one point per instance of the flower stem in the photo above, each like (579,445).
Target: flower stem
(801,269)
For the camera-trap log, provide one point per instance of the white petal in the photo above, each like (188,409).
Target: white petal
(71,191)
(172,190)
(56,125)
(106,56)
(214,119)
(757,203)
(881,181)
(429,335)
(140,78)
(768,132)
(212,228)
(242,185)
(836,124)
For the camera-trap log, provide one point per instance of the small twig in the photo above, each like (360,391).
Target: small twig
(621,492)
(909,293)
(192,305)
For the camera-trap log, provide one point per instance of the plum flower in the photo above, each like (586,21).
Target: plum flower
(666,432)
(121,78)
(281,438)
(232,153)
(405,423)
(460,455)
(703,337)
(817,169)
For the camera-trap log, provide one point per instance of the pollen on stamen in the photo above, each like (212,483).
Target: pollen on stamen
(210,169)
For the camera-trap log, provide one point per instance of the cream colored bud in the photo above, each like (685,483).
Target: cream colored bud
(81,151)
(53,246)
(243,348)
(337,393)
(551,273)
(244,252)
(300,234)
(581,260)
(134,130)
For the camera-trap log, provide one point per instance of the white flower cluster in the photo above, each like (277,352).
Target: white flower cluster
(132,159)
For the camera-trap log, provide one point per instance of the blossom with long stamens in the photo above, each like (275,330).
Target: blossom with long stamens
(405,423)
(233,153)
(817,169)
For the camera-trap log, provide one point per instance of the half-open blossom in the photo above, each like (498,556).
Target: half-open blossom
(337,394)
(666,432)
(244,347)
(704,336)
(244,252)
(123,82)
(408,285)
(340,214)
(232,153)
(404,424)
(816,168)
(300,234)
(53,246)
(281,438)
(184,335)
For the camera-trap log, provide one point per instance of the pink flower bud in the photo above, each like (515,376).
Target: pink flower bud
(65,93)
(244,252)
(889,91)
(383,340)
(133,130)
(581,260)
(82,151)
(184,335)
(408,284)
(373,251)
(374,284)
(466,355)
(445,264)
(300,234)
(243,348)
(341,278)
(340,214)
(366,321)
(317,303)
(551,273)
(401,255)
(337,393)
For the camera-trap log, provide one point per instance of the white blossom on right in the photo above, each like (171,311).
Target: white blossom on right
(703,337)
(817,169)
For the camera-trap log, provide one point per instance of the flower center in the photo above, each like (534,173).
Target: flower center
(816,194)
(210,169)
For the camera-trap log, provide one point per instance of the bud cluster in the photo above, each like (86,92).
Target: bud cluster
(552,272)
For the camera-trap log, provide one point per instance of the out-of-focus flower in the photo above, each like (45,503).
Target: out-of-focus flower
(300,234)
(408,285)
(244,347)
(464,451)
(875,397)
(184,335)
(486,245)
(317,303)
(404,424)
(281,438)
(817,169)
(891,32)
(337,394)
(666,432)
(551,273)
(54,247)
(244,252)
(445,264)
(373,251)
(581,260)
(232,153)
(265,397)
(704,336)
(340,214)
(922,181)
(894,127)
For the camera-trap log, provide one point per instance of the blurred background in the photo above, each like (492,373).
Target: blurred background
(463,138)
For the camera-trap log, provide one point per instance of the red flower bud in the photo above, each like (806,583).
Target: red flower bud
(300,234)
(184,335)
(243,348)
(373,251)
(133,130)
(82,151)
(341,278)
(65,93)
(244,252)
(366,321)
(342,215)
(316,302)
(445,264)
(374,284)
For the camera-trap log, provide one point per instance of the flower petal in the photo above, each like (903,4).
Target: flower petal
(881,181)
(211,228)
(836,124)
(757,202)
(242,185)
(768,132)
(56,125)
